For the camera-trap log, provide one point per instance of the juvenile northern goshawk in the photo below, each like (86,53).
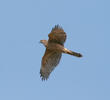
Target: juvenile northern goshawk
(54,49)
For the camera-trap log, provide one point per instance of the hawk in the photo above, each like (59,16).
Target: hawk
(54,49)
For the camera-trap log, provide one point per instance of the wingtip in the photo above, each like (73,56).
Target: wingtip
(43,76)
(57,26)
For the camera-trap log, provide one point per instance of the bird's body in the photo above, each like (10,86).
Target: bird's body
(54,49)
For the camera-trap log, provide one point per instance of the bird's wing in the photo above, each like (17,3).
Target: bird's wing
(57,35)
(49,61)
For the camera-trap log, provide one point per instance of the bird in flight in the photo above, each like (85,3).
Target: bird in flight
(54,49)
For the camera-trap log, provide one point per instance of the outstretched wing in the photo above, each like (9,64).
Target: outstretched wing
(57,35)
(49,61)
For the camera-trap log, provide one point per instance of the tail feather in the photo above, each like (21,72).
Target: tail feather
(75,54)
(72,53)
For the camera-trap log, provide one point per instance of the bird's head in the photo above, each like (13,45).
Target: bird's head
(44,42)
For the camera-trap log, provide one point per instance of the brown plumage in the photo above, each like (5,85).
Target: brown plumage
(54,49)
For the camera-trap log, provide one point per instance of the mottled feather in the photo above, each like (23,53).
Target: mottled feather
(49,61)
(57,35)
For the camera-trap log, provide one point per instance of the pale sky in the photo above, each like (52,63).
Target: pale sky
(23,23)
